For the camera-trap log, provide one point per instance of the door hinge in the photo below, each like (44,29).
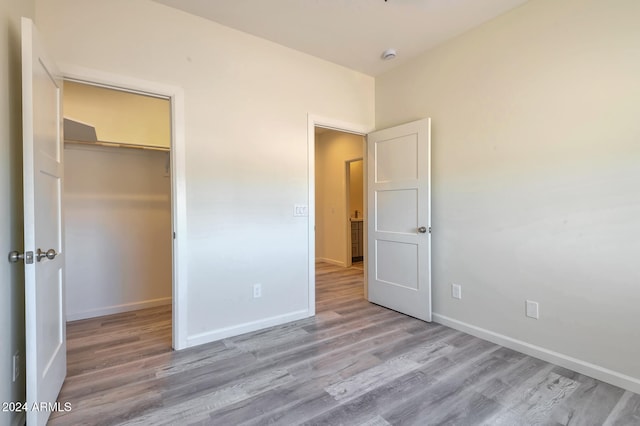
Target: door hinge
(429,229)
(174,235)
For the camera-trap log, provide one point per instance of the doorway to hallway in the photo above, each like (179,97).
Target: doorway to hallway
(339,197)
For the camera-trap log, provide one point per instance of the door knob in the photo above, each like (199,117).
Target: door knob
(16,256)
(422,230)
(49,254)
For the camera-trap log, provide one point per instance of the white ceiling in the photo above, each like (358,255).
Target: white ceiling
(352,33)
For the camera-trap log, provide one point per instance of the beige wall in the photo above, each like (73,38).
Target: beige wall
(119,116)
(536,155)
(356,188)
(11,275)
(333,151)
(246,107)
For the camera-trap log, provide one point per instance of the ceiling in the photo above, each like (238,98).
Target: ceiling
(352,33)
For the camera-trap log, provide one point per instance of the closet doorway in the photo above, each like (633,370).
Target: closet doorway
(118,200)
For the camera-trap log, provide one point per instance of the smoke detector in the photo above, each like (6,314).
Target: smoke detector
(389,54)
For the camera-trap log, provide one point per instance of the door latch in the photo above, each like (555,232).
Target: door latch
(49,254)
(16,256)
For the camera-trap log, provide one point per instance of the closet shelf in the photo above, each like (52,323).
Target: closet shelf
(85,134)
(117,145)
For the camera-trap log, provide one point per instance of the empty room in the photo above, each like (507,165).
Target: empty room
(484,271)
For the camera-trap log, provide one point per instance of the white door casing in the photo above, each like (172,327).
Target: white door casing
(314,121)
(399,218)
(43,225)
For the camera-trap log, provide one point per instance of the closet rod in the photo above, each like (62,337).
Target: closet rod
(117,145)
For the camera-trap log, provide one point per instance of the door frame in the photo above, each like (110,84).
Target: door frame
(175,95)
(314,121)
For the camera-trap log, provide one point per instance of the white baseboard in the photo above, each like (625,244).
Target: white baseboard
(222,333)
(597,372)
(116,309)
(331,261)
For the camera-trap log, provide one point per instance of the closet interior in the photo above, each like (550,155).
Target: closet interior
(117,194)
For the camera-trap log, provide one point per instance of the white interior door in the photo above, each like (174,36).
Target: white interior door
(399,218)
(43,234)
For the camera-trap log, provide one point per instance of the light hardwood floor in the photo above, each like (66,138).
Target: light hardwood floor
(353,364)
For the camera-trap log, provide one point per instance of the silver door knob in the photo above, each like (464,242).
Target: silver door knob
(16,256)
(49,254)
(422,230)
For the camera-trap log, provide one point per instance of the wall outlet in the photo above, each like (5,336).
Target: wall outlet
(16,366)
(456,291)
(257,290)
(532,309)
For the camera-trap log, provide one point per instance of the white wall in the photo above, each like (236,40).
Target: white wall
(536,155)
(333,150)
(117,230)
(11,275)
(246,106)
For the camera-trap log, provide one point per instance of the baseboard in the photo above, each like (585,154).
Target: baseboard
(20,419)
(116,309)
(597,372)
(331,261)
(222,333)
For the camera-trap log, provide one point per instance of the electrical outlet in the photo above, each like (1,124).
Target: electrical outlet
(532,309)
(16,366)
(456,291)
(257,290)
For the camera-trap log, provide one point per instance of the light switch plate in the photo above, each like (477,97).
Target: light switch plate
(300,210)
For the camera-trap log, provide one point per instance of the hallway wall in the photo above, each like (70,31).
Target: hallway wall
(333,150)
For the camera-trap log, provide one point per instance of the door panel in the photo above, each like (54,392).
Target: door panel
(399,270)
(396,159)
(397,211)
(44,282)
(397,264)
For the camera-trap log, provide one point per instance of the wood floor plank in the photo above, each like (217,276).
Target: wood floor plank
(443,397)
(592,401)
(354,363)
(626,412)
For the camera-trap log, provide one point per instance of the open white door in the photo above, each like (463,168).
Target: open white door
(46,361)
(399,218)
